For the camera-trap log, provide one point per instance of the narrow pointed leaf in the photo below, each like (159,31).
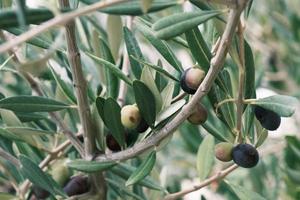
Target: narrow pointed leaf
(245,194)
(114,69)
(65,88)
(205,157)
(198,48)
(90,166)
(31,171)
(112,118)
(161,46)
(145,101)
(123,170)
(143,170)
(179,23)
(284,106)
(31,104)
(133,49)
(157,68)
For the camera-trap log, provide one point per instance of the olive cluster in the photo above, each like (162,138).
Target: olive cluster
(244,155)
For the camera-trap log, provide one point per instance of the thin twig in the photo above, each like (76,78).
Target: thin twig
(216,65)
(58,20)
(80,86)
(240,98)
(216,177)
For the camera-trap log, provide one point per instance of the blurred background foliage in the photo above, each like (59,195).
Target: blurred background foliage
(273,32)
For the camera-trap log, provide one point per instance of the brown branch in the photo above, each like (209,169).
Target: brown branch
(80,85)
(58,20)
(220,175)
(216,65)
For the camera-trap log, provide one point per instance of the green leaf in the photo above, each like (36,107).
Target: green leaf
(198,48)
(123,170)
(169,111)
(28,135)
(133,7)
(100,106)
(28,117)
(9,118)
(133,49)
(249,73)
(157,68)
(145,101)
(284,106)
(179,23)
(114,69)
(8,18)
(262,136)
(122,189)
(112,119)
(294,175)
(161,46)
(244,194)
(114,32)
(143,170)
(31,171)
(147,78)
(112,82)
(213,131)
(205,157)
(24,103)
(90,166)
(65,88)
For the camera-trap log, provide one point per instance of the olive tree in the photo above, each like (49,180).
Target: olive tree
(97,100)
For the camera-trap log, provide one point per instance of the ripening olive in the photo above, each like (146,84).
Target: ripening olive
(142,127)
(245,155)
(191,79)
(130,116)
(267,118)
(223,151)
(77,185)
(112,143)
(199,115)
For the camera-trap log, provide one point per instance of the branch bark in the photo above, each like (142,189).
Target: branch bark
(216,177)
(216,65)
(80,85)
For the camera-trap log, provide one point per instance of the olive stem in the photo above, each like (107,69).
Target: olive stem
(219,175)
(223,102)
(216,65)
(80,85)
(241,65)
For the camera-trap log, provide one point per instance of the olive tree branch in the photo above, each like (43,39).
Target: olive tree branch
(61,19)
(216,65)
(80,85)
(240,98)
(219,175)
